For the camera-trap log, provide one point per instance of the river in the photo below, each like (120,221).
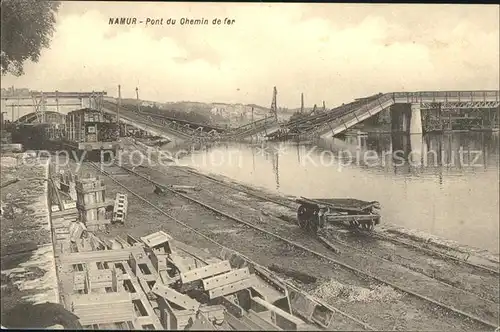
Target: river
(446,185)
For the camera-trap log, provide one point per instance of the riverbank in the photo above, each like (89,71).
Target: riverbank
(27,262)
(451,247)
(449,195)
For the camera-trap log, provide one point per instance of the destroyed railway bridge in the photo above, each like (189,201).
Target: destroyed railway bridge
(406,111)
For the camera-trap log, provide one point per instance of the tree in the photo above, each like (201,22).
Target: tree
(26,28)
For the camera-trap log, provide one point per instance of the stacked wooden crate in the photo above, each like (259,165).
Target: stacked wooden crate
(120,208)
(156,283)
(62,225)
(91,203)
(103,308)
(222,294)
(67,183)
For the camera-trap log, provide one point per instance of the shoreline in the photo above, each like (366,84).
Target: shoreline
(420,235)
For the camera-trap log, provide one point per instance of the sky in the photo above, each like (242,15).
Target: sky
(330,52)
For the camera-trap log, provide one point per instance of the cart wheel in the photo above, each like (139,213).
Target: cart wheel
(367,226)
(371,225)
(355,223)
(303,215)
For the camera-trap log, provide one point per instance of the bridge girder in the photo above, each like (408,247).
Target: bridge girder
(47,116)
(459,105)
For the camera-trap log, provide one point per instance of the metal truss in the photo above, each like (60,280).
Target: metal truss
(460,104)
(39,101)
(95,100)
(39,106)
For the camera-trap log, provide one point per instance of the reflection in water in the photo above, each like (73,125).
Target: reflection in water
(253,159)
(277,172)
(275,161)
(443,184)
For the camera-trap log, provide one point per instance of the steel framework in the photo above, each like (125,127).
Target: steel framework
(461,105)
(274,107)
(39,101)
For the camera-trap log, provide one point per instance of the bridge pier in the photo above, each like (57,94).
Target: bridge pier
(417,150)
(415,119)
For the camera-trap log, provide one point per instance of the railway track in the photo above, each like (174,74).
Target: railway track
(217,241)
(365,240)
(321,252)
(292,205)
(469,268)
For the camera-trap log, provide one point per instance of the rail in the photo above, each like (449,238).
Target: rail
(251,124)
(312,122)
(129,109)
(251,128)
(147,119)
(291,204)
(169,118)
(353,114)
(175,125)
(185,133)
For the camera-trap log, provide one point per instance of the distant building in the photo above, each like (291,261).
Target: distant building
(147,104)
(22,92)
(12,92)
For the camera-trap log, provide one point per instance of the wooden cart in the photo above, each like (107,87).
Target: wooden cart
(314,214)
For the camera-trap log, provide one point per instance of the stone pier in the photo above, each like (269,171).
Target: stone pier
(415,119)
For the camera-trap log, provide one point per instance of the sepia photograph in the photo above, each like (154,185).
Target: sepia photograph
(253,166)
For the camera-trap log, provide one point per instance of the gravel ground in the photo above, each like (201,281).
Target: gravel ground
(465,277)
(473,255)
(360,297)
